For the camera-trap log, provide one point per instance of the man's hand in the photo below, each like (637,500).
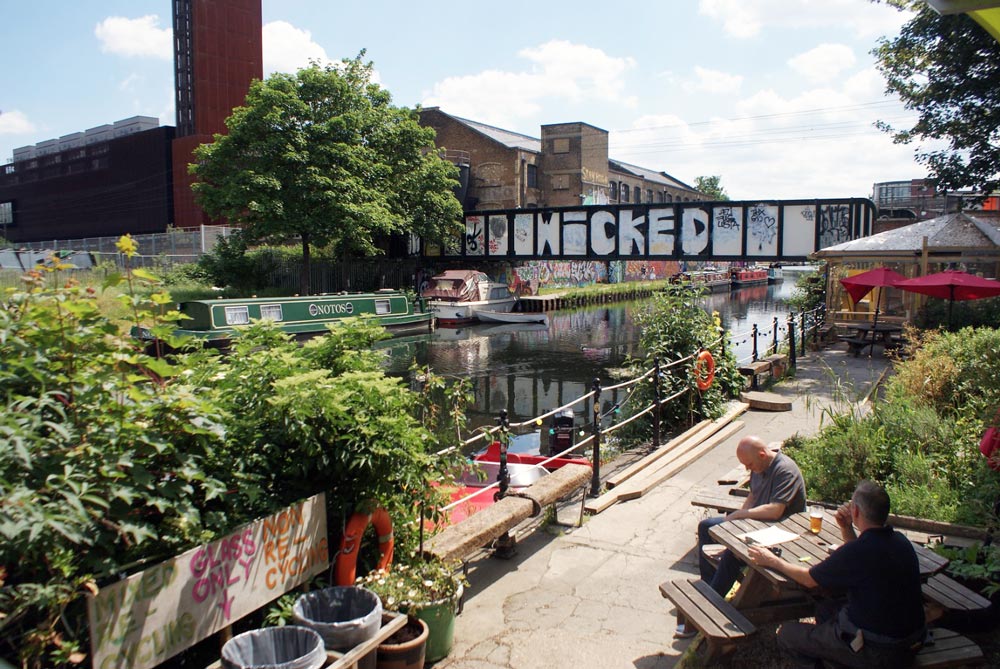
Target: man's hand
(843,515)
(763,557)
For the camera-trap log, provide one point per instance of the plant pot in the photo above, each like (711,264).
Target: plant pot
(440,619)
(405,649)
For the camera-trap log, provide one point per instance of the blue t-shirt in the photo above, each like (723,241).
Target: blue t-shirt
(880,572)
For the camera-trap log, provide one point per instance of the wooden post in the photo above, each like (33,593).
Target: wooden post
(595,479)
(753,336)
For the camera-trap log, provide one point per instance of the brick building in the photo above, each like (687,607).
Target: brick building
(567,166)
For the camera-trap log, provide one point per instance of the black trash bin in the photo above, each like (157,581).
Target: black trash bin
(289,647)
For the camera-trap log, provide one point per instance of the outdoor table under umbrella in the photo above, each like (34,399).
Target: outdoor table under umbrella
(952,285)
(859,285)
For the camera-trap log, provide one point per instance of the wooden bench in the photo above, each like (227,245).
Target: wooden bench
(720,500)
(779,364)
(722,626)
(949,649)
(855,345)
(753,370)
(944,593)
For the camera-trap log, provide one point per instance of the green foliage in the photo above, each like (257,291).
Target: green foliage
(810,291)
(106,457)
(973,313)
(945,68)
(977,563)
(711,186)
(675,326)
(921,441)
(413,584)
(111,459)
(323,155)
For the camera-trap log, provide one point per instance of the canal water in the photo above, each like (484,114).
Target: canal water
(531,369)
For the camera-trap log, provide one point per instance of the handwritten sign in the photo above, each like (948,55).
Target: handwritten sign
(151,616)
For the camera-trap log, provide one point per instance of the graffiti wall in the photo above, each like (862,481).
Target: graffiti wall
(149,617)
(771,230)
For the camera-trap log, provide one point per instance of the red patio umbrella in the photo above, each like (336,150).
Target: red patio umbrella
(859,285)
(952,285)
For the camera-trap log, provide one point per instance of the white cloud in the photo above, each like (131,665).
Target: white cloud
(289,49)
(823,62)
(135,37)
(129,82)
(714,81)
(817,143)
(15,123)
(559,70)
(746,18)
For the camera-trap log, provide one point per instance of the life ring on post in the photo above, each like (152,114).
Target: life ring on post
(345,569)
(704,370)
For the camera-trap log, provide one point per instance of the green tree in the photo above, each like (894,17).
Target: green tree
(323,155)
(711,186)
(947,69)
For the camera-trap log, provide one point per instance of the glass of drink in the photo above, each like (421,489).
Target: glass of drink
(815,519)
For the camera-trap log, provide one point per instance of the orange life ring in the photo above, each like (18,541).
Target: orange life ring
(704,370)
(345,569)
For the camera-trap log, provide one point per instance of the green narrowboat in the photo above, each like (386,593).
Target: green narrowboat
(217,319)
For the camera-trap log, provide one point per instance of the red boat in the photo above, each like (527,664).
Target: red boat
(476,483)
(748,276)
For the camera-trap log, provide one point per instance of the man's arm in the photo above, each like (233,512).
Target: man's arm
(797,572)
(771,511)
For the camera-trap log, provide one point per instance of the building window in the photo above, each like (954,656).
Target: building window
(661,197)
(625,190)
(6,214)
(614,190)
(532,176)
(560,182)
(560,145)
(638,194)
(649,195)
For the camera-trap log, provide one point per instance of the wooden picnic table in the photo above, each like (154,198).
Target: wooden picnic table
(768,596)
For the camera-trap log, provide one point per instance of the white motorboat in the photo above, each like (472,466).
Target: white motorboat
(489,316)
(457,296)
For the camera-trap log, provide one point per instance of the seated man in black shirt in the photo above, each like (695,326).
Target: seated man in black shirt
(882,624)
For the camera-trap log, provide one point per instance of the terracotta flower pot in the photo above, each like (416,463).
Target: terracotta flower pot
(406,648)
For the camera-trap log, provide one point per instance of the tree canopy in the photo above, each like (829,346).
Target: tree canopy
(947,69)
(324,155)
(711,186)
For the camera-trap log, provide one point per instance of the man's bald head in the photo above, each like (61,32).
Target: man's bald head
(754,454)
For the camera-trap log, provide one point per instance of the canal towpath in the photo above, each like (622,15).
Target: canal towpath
(588,596)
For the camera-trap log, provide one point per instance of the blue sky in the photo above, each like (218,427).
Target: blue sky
(778,97)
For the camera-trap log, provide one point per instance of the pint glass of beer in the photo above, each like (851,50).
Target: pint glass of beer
(815,519)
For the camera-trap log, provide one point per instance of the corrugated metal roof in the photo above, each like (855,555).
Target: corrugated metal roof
(949,231)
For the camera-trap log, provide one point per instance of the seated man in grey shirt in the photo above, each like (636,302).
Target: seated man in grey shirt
(776,492)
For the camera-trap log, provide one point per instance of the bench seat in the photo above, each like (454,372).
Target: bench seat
(856,345)
(949,649)
(952,595)
(722,626)
(753,369)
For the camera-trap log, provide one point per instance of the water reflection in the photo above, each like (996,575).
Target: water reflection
(529,369)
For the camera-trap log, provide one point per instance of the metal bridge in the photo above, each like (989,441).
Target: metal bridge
(775,230)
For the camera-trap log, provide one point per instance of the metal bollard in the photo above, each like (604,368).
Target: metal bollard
(595,479)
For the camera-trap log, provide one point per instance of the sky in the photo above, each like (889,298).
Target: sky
(776,97)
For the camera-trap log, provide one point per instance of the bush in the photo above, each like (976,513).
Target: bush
(921,442)
(675,326)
